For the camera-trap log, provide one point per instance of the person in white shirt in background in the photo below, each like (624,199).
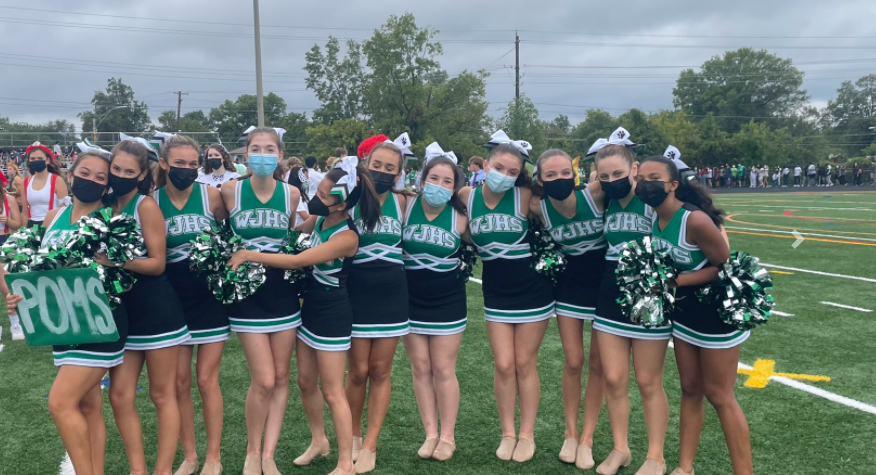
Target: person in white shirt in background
(797,172)
(218,167)
(785,176)
(754,171)
(313,175)
(57,149)
(827,175)
(810,175)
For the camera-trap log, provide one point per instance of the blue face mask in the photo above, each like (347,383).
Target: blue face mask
(436,195)
(500,183)
(263,165)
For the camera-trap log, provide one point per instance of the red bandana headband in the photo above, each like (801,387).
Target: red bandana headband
(39,146)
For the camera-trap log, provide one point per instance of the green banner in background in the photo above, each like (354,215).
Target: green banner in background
(63,307)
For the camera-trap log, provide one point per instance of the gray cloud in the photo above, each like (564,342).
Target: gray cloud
(37,61)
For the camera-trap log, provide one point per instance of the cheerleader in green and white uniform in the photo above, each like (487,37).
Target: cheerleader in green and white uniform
(627,218)
(157,322)
(188,208)
(327,327)
(377,322)
(518,301)
(706,349)
(76,399)
(261,209)
(575,222)
(435,225)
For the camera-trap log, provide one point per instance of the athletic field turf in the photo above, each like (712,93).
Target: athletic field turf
(827,327)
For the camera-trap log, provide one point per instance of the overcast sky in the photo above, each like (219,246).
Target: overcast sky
(54,54)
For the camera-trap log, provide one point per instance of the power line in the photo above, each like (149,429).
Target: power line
(697,46)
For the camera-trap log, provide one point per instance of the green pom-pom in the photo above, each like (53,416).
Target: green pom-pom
(643,275)
(549,260)
(211,250)
(740,293)
(468,259)
(296,242)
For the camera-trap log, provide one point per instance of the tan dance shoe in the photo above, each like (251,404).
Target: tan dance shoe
(269,467)
(584,457)
(187,468)
(367,461)
(651,467)
(444,451)
(427,448)
(506,448)
(212,468)
(679,471)
(252,465)
(570,448)
(312,453)
(614,462)
(524,451)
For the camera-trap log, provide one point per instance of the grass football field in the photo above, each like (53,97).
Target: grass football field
(799,424)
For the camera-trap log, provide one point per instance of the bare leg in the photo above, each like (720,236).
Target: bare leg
(719,371)
(72,386)
(614,351)
(209,362)
(281,349)
(572,337)
(123,390)
(161,368)
(92,408)
(379,388)
(444,351)
(527,341)
(311,397)
(357,380)
(594,392)
(260,360)
(687,357)
(185,403)
(417,348)
(648,359)
(501,336)
(331,373)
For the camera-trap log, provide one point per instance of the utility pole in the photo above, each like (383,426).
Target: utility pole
(258,57)
(179,95)
(516,66)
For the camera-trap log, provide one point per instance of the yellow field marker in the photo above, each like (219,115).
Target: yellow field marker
(759,375)
(780,272)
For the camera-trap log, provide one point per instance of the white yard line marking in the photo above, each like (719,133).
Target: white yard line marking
(781,314)
(731,205)
(834,304)
(828,274)
(476,281)
(819,392)
(1,338)
(833,236)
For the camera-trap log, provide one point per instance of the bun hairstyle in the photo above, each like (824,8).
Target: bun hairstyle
(537,188)
(690,191)
(503,149)
(171,143)
(458,180)
(226,158)
(616,150)
(279,173)
(365,195)
(141,155)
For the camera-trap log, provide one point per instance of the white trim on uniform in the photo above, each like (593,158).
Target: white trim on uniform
(99,359)
(335,344)
(214,335)
(263,325)
(703,340)
(520,316)
(159,341)
(381,330)
(575,311)
(628,330)
(438,329)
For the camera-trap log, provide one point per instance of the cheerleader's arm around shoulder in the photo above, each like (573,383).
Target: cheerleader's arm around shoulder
(704,234)
(343,244)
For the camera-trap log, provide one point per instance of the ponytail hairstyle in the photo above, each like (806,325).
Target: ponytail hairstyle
(296,179)
(365,195)
(175,141)
(401,164)
(505,148)
(141,155)
(537,188)
(279,172)
(691,191)
(458,180)
(226,158)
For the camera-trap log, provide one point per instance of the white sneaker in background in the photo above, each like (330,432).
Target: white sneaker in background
(17,332)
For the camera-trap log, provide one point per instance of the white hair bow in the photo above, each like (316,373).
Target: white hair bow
(619,137)
(163,136)
(500,137)
(673,154)
(346,184)
(434,151)
(153,154)
(86,147)
(280,131)
(403,142)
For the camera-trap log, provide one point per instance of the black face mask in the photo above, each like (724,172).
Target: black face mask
(182,178)
(317,207)
(36,167)
(560,188)
(617,189)
(87,191)
(652,193)
(383,182)
(122,186)
(214,163)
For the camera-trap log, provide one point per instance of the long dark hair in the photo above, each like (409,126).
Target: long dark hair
(401,163)
(227,163)
(365,195)
(51,164)
(141,154)
(458,180)
(690,191)
(501,149)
